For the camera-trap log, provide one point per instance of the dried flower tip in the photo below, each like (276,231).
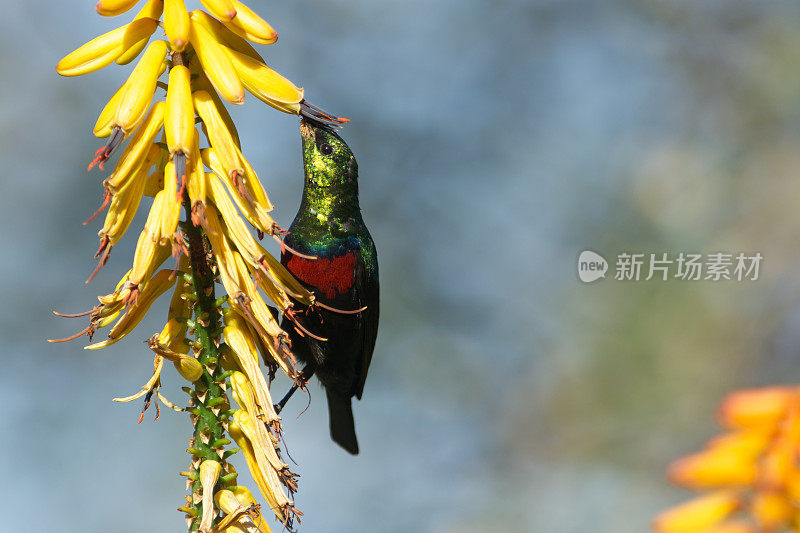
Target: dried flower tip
(186,365)
(155,287)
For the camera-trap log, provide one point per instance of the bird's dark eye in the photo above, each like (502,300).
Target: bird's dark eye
(326,149)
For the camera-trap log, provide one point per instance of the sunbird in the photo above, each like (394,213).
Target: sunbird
(336,341)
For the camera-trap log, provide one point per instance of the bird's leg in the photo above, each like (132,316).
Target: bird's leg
(303,378)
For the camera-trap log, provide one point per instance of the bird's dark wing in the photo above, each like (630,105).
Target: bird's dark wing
(367,293)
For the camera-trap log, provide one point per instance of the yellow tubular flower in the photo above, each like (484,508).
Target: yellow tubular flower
(711,468)
(755,407)
(140,87)
(699,514)
(245,497)
(266,84)
(755,464)
(148,257)
(288,283)
(244,522)
(771,510)
(105,122)
(252,379)
(196,184)
(119,292)
(215,62)
(112,8)
(224,35)
(275,293)
(243,394)
(231,280)
(246,189)
(263,474)
(264,448)
(250,26)
(222,9)
(256,310)
(209,474)
(212,55)
(253,185)
(239,187)
(171,203)
(155,183)
(176,24)
(179,116)
(254,253)
(152,9)
(243,342)
(217,131)
(257,216)
(123,207)
(180,310)
(747,443)
(155,287)
(104,50)
(138,149)
(234,227)
(152,226)
(187,366)
(201,82)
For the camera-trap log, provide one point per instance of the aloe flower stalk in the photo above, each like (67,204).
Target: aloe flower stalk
(180,153)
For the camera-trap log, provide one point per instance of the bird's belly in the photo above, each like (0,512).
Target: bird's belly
(335,358)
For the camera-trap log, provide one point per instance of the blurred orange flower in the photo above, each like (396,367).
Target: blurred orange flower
(751,471)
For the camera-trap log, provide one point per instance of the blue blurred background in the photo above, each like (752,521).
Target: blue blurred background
(496,140)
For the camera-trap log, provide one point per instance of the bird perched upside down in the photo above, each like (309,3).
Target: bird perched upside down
(343,276)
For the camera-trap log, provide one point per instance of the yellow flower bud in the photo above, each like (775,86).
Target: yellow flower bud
(711,468)
(222,9)
(215,61)
(112,8)
(152,10)
(755,407)
(176,24)
(698,514)
(266,84)
(140,87)
(250,26)
(179,116)
(772,510)
(105,49)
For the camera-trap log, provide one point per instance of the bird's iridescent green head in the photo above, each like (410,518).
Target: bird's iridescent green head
(327,159)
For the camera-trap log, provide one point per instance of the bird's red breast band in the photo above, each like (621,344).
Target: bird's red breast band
(332,276)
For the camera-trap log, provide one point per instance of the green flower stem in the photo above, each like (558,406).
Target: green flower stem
(209,405)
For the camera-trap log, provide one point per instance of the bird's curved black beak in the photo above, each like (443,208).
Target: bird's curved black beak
(315,114)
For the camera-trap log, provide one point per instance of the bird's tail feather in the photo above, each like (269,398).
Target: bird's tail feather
(343,427)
